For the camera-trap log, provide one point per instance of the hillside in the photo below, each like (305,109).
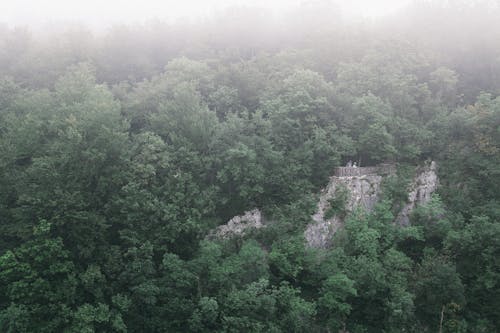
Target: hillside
(124,154)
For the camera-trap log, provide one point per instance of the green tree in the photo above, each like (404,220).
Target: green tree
(333,308)
(38,284)
(437,288)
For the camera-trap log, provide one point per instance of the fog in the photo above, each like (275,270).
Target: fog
(136,39)
(98,13)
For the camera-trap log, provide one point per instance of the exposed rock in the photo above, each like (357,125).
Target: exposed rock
(363,191)
(421,189)
(239,225)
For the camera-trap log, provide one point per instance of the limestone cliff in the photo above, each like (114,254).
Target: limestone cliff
(364,192)
(423,185)
(362,188)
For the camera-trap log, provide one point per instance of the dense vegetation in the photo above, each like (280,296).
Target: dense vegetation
(119,152)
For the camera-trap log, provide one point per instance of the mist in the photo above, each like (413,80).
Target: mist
(99,14)
(145,35)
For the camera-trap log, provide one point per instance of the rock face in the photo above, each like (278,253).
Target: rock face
(239,225)
(423,185)
(363,191)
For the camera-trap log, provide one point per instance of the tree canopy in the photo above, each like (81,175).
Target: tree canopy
(120,152)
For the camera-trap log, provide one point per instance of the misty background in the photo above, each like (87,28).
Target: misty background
(136,39)
(100,14)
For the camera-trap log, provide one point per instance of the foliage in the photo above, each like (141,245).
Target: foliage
(120,152)
(337,203)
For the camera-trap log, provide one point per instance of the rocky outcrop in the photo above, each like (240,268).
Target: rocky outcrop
(239,225)
(423,185)
(362,191)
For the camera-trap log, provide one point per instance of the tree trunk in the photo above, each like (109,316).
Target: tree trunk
(441,321)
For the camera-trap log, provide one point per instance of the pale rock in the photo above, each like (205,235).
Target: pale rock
(424,184)
(363,192)
(239,225)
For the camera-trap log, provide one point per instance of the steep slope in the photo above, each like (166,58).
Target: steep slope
(363,191)
(424,184)
(359,187)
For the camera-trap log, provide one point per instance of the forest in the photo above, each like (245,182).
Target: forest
(122,150)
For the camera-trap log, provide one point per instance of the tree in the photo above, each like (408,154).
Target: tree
(333,307)
(474,247)
(437,288)
(38,284)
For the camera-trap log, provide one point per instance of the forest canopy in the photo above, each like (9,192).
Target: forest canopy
(121,150)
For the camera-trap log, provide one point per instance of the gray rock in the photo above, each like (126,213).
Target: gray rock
(239,225)
(424,184)
(363,192)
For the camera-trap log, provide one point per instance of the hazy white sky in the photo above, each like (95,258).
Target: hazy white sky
(102,12)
